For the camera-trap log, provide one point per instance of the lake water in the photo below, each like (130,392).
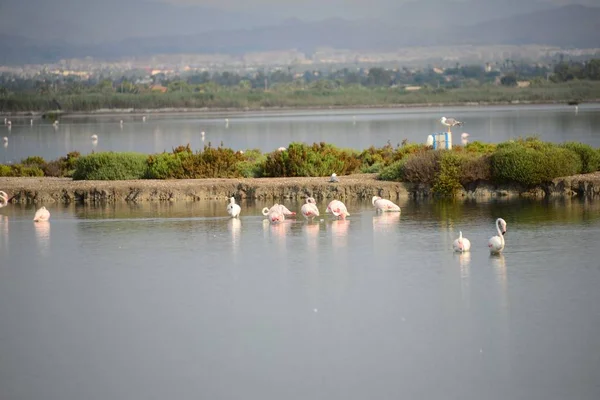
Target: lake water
(177,301)
(267,131)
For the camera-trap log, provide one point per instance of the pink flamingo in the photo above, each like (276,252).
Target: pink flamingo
(41,214)
(338,209)
(310,209)
(278,207)
(274,214)
(384,204)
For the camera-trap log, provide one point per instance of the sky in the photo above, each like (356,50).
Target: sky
(110,20)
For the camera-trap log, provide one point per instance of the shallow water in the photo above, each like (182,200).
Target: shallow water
(178,301)
(267,131)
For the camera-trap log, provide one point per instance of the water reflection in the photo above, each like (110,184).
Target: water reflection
(235,226)
(311,232)
(339,232)
(42,235)
(499,264)
(386,221)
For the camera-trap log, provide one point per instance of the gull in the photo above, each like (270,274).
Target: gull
(450,122)
(333,178)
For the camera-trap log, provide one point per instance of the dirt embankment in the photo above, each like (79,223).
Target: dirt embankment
(63,190)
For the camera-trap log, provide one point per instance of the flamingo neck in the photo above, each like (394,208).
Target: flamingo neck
(499,231)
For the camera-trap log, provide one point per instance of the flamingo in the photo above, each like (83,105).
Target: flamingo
(384,205)
(233,209)
(94,138)
(461,244)
(274,214)
(338,209)
(310,209)
(496,243)
(42,214)
(3,199)
(464,136)
(278,207)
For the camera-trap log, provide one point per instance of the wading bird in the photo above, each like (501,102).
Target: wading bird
(461,244)
(42,214)
(496,243)
(310,209)
(384,204)
(233,209)
(338,209)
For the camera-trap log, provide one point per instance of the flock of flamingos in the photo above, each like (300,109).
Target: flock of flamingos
(309,210)
(278,212)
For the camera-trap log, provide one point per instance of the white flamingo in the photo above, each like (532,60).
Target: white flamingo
(464,136)
(94,138)
(278,207)
(42,214)
(496,243)
(310,209)
(274,214)
(384,205)
(233,209)
(461,244)
(338,209)
(3,199)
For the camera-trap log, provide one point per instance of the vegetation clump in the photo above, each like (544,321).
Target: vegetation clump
(524,161)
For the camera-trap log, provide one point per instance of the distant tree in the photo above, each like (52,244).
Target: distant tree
(509,80)
(592,69)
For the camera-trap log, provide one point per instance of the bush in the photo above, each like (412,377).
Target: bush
(253,164)
(479,147)
(316,160)
(421,167)
(590,158)
(17,170)
(447,181)
(393,172)
(532,163)
(111,166)
(166,166)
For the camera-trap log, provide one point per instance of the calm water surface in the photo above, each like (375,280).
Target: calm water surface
(356,129)
(177,301)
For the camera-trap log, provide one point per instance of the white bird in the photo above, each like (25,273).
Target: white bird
(281,149)
(338,209)
(233,209)
(274,214)
(496,243)
(384,204)
(121,122)
(226,122)
(333,178)
(4,121)
(461,244)
(3,199)
(144,118)
(31,122)
(9,123)
(310,209)
(450,122)
(278,207)
(202,133)
(464,136)
(5,139)
(55,123)
(42,214)
(94,138)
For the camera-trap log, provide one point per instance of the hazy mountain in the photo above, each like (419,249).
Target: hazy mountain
(85,22)
(572,26)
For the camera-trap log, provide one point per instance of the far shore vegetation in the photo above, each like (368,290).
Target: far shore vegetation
(568,82)
(525,161)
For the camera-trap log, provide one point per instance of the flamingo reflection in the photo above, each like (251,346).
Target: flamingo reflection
(385,221)
(235,225)
(42,234)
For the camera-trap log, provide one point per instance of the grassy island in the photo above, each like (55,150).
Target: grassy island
(526,162)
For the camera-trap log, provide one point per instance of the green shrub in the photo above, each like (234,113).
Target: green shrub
(532,163)
(212,163)
(18,170)
(316,160)
(479,147)
(166,166)
(590,158)
(393,172)
(474,167)
(447,181)
(253,164)
(373,168)
(34,161)
(408,149)
(111,166)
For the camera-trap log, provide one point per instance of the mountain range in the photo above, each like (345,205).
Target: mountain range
(421,23)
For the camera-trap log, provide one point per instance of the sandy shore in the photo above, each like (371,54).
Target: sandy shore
(358,186)
(64,190)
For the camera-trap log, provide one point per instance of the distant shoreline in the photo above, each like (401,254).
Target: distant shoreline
(274,109)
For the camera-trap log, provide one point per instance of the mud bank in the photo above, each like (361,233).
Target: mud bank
(360,186)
